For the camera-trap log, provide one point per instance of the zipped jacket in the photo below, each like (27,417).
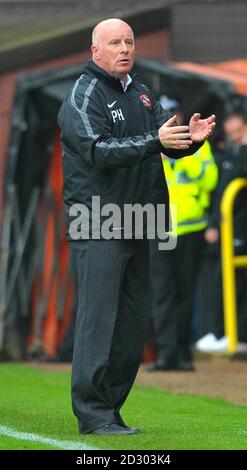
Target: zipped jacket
(111,148)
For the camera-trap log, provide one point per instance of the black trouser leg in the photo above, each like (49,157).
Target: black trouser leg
(189,257)
(109,334)
(164,303)
(131,326)
(211,318)
(173,277)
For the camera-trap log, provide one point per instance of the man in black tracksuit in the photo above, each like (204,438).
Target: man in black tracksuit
(112,133)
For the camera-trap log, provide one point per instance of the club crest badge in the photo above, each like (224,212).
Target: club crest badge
(146,100)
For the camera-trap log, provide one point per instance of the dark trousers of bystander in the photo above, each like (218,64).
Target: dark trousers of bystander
(174,276)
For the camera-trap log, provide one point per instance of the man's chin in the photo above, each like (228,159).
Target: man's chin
(124,69)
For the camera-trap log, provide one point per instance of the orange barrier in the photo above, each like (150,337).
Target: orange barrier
(56,322)
(234,72)
(53,284)
(238,66)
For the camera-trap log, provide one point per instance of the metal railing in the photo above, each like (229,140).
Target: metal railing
(230,262)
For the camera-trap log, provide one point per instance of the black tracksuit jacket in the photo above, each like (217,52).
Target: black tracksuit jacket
(110,143)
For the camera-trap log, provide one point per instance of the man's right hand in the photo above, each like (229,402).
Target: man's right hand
(174,137)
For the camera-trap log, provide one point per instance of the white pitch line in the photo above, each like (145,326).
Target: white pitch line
(27,436)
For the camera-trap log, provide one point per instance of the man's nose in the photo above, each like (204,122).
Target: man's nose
(124,47)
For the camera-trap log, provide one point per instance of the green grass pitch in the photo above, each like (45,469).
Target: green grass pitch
(38,402)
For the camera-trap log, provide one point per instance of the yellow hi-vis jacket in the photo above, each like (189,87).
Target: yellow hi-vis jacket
(190,180)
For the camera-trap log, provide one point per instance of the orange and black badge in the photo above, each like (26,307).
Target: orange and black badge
(146,100)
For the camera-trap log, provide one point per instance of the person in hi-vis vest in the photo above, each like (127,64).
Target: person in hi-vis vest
(174,273)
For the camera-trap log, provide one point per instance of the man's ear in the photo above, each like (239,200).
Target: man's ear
(95,51)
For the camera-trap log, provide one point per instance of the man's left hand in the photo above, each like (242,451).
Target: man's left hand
(201,129)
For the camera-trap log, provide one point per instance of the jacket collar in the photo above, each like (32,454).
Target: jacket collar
(92,69)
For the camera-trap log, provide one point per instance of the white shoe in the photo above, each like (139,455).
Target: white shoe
(221,345)
(205,342)
(218,345)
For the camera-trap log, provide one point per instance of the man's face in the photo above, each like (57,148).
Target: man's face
(236,130)
(115,50)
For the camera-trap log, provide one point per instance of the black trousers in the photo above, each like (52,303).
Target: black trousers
(112,319)
(173,277)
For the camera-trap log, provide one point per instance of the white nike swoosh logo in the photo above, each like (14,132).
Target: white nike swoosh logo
(112,104)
